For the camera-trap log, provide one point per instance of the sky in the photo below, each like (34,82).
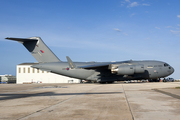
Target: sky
(92,30)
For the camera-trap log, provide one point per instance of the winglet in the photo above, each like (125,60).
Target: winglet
(70,62)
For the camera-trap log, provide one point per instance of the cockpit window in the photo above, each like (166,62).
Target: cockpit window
(165,65)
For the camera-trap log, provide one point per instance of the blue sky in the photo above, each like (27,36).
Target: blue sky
(92,30)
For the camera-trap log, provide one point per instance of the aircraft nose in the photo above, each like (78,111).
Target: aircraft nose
(172,70)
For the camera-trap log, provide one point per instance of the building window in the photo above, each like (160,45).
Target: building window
(24,70)
(33,70)
(37,70)
(42,71)
(28,70)
(19,70)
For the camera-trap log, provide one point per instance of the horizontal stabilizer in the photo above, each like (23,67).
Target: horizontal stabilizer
(21,39)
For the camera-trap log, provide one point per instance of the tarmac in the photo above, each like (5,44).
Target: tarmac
(132,101)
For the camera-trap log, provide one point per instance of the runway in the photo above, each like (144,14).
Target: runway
(135,101)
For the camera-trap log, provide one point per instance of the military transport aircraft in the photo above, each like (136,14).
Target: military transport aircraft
(103,72)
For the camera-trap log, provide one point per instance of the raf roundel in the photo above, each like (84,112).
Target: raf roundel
(42,51)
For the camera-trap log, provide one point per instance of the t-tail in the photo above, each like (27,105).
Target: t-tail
(38,49)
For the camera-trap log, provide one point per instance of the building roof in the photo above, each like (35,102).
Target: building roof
(28,63)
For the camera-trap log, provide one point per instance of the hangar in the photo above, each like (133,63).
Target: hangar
(26,75)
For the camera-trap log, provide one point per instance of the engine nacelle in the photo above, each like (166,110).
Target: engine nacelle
(139,69)
(128,69)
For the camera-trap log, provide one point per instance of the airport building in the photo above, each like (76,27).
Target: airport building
(26,75)
(7,79)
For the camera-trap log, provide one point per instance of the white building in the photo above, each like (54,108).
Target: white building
(26,74)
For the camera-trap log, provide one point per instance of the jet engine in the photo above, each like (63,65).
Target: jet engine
(127,69)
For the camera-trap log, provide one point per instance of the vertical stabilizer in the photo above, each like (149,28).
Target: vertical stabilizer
(38,49)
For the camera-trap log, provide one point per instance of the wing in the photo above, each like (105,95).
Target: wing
(97,66)
(104,65)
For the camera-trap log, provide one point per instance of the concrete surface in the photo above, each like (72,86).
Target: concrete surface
(139,101)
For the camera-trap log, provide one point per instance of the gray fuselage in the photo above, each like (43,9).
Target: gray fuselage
(152,70)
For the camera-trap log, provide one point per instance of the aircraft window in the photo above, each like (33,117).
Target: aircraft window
(165,65)
(159,65)
(169,67)
(155,66)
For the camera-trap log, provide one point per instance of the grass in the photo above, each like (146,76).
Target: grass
(177,87)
